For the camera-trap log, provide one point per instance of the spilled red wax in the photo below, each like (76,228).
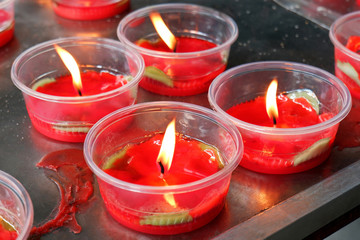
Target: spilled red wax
(75,183)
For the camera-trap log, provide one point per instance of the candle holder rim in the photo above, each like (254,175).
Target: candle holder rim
(6,2)
(19,190)
(183,55)
(102,3)
(192,186)
(340,21)
(346,98)
(76,99)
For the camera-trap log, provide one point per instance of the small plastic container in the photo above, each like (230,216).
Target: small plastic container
(15,205)
(89,9)
(185,73)
(347,62)
(282,150)
(7,21)
(69,118)
(198,201)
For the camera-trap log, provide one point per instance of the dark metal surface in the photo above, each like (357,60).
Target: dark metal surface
(258,205)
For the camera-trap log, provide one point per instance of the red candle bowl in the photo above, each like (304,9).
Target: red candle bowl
(204,37)
(140,203)
(345,35)
(282,149)
(16,209)
(7,21)
(110,75)
(89,9)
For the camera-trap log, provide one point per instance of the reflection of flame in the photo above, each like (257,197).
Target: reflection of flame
(168,146)
(71,65)
(169,197)
(163,30)
(271,106)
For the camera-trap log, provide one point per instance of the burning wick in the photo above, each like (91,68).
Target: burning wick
(163,31)
(72,66)
(167,149)
(271,106)
(162,169)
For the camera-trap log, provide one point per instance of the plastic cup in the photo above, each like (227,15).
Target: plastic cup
(131,204)
(89,9)
(282,150)
(186,73)
(7,21)
(15,205)
(347,62)
(70,118)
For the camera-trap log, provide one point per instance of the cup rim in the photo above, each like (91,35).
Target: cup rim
(99,4)
(18,189)
(73,40)
(181,6)
(188,107)
(285,65)
(338,22)
(6,2)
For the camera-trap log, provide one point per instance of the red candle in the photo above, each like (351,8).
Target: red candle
(347,68)
(295,109)
(7,231)
(192,161)
(89,10)
(6,27)
(93,83)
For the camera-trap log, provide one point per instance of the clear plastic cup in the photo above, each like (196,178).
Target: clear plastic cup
(282,150)
(70,118)
(198,201)
(89,9)
(183,73)
(15,205)
(7,21)
(347,62)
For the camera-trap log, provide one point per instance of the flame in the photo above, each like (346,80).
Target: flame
(163,31)
(271,106)
(168,146)
(71,65)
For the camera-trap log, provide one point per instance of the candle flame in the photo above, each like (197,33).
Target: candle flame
(271,106)
(72,66)
(167,149)
(163,31)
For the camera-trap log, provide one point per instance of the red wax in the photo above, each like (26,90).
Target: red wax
(346,66)
(7,232)
(189,76)
(90,10)
(192,161)
(274,154)
(6,34)
(70,121)
(75,183)
(92,83)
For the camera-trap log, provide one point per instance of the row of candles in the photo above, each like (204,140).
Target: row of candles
(165,167)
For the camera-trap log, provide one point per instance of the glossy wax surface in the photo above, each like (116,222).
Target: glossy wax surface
(193,160)
(92,83)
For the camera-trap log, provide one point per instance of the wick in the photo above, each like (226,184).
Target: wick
(162,169)
(274,121)
(79,92)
